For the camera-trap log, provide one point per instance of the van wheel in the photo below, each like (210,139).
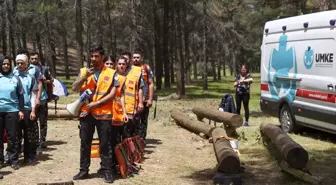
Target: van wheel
(286,120)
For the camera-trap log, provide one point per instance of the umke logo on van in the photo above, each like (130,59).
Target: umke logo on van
(321,59)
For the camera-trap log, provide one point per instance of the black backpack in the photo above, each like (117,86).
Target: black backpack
(227,104)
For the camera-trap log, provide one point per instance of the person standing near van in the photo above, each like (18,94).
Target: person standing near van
(242,85)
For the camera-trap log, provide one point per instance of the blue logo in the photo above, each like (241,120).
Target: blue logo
(308,58)
(282,64)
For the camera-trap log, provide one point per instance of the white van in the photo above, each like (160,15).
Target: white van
(298,71)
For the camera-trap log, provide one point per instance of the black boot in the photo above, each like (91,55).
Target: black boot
(108,178)
(81,175)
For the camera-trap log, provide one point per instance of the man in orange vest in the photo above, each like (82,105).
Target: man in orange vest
(102,81)
(148,76)
(133,89)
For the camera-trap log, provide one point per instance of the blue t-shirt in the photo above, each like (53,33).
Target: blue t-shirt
(28,84)
(10,90)
(38,74)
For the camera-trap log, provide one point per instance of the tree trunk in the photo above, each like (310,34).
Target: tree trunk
(224,65)
(213,69)
(24,40)
(110,24)
(181,85)
(219,65)
(165,44)
(39,46)
(195,59)
(205,64)
(88,36)
(79,29)
(11,30)
(187,57)
(3,29)
(65,51)
(158,57)
(50,45)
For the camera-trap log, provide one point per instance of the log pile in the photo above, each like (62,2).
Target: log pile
(230,121)
(227,158)
(194,126)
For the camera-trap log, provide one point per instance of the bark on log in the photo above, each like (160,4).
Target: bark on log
(58,106)
(192,125)
(59,114)
(293,153)
(227,158)
(232,120)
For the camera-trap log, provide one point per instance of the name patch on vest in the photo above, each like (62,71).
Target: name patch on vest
(106,78)
(131,82)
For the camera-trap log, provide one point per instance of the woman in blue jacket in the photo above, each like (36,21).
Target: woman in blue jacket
(11,111)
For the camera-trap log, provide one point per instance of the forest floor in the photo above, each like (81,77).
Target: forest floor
(176,156)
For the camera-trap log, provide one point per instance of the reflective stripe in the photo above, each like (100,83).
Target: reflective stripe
(83,114)
(105,116)
(129,94)
(117,100)
(100,93)
(117,123)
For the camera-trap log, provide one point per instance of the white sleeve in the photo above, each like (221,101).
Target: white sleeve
(33,98)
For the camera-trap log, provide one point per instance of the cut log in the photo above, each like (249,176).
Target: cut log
(192,125)
(293,153)
(59,114)
(58,106)
(227,158)
(233,120)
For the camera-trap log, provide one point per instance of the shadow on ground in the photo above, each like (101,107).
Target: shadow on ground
(317,134)
(202,177)
(53,143)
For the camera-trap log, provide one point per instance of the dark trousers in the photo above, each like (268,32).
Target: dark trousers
(144,122)
(27,127)
(245,98)
(42,116)
(87,129)
(9,121)
(131,128)
(116,134)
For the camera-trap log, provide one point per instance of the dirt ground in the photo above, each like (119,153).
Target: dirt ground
(173,155)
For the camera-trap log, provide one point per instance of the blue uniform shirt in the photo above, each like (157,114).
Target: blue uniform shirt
(10,89)
(28,84)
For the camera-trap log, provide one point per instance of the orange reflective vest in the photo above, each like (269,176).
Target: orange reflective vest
(118,116)
(144,71)
(131,91)
(99,90)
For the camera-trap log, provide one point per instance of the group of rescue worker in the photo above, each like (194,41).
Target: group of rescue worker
(23,101)
(122,93)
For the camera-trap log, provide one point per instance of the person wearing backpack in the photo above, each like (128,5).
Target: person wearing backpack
(242,85)
(42,109)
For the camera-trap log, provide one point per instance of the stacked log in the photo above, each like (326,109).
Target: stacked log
(227,158)
(293,153)
(192,125)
